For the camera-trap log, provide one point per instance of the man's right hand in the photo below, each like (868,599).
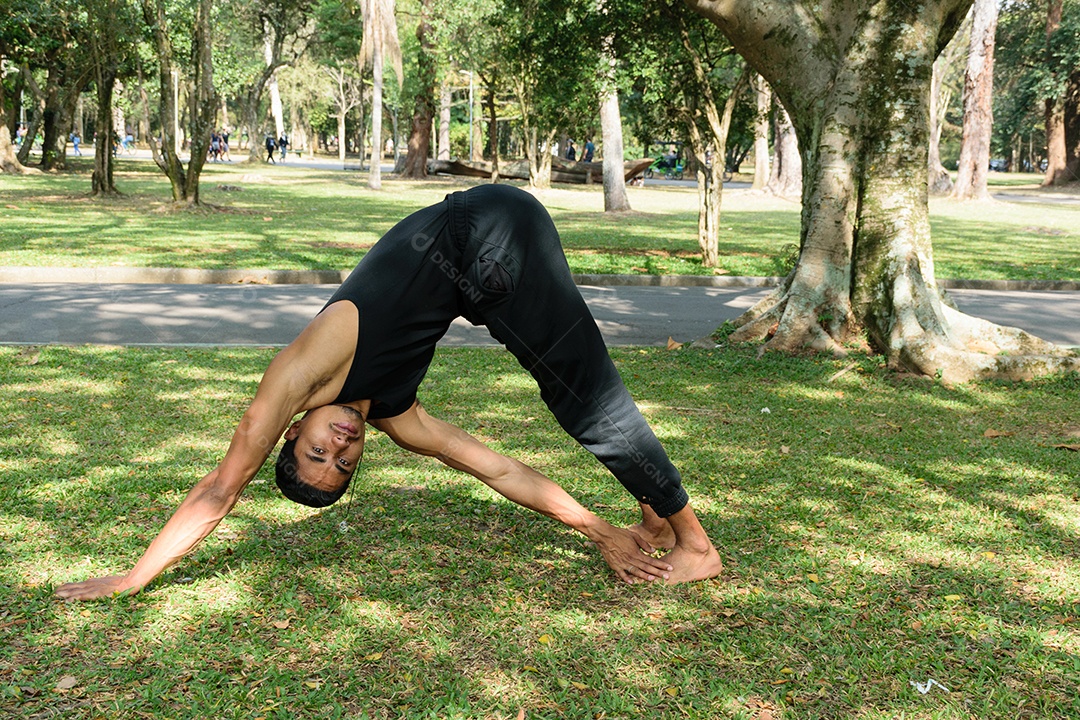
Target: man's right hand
(93,588)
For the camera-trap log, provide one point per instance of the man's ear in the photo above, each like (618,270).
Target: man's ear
(293,432)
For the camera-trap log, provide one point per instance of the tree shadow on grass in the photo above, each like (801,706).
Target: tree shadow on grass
(855,558)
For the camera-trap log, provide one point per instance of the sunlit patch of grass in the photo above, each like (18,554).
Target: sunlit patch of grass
(297,218)
(873,535)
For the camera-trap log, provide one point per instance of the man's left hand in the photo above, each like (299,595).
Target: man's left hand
(624,553)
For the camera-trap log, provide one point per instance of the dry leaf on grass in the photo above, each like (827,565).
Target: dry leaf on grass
(67,682)
(672,345)
(990,433)
(849,367)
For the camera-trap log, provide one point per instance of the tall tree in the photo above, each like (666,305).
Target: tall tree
(46,40)
(693,87)
(785,178)
(1034,71)
(424,100)
(203,98)
(9,161)
(942,88)
(379,46)
(471,40)
(1072,125)
(30,85)
(978,104)
(714,136)
(615,197)
(855,78)
(763,100)
(1055,109)
(111,35)
(337,50)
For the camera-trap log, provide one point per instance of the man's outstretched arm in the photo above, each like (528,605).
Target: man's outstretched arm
(205,505)
(418,432)
(203,508)
(296,380)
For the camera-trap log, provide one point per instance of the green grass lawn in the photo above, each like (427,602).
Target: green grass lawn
(293,218)
(877,530)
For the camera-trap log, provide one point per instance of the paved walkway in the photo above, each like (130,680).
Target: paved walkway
(167,314)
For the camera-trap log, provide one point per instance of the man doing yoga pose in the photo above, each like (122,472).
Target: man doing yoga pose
(492,255)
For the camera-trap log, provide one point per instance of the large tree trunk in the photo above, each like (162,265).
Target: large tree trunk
(445,100)
(615,197)
(272,83)
(51,119)
(36,115)
(939,182)
(204,108)
(9,161)
(375,171)
(424,103)
(611,136)
(69,102)
(249,118)
(490,82)
(978,105)
(168,99)
(538,151)
(763,98)
(785,179)
(1072,126)
(184,182)
(857,88)
(1054,110)
(101,181)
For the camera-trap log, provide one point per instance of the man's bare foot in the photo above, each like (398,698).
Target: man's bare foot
(659,535)
(690,565)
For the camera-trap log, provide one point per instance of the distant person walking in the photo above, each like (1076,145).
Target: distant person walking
(283,145)
(571,152)
(75,140)
(590,149)
(271,146)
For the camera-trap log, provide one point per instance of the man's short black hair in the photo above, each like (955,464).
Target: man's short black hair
(297,490)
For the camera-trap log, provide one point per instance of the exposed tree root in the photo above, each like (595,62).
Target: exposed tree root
(928,336)
(978,349)
(790,323)
(14,167)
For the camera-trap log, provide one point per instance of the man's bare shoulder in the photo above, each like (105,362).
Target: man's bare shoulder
(317,362)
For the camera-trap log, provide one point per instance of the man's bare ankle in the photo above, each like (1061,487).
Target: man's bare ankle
(696,545)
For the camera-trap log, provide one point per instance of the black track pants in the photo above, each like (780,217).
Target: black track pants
(515,280)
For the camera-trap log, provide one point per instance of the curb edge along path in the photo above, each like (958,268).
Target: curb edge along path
(196,276)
